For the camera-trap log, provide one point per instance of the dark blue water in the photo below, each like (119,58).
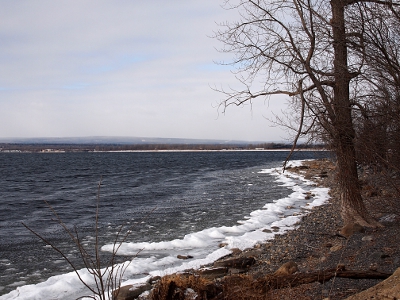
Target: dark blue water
(163,195)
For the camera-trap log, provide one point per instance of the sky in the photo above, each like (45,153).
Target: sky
(132,68)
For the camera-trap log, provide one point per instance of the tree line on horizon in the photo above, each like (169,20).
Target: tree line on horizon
(150,147)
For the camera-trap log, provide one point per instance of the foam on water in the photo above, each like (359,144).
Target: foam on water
(160,258)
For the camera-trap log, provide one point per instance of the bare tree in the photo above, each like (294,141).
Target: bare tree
(378,119)
(303,49)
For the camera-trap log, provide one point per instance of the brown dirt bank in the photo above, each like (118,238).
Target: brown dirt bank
(315,247)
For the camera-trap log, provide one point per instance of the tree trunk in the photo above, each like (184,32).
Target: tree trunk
(353,209)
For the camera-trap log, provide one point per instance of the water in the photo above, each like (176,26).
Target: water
(161,196)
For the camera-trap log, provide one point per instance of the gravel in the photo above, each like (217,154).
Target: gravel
(316,245)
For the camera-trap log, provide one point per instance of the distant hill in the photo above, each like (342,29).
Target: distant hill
(95,144)
(95,140)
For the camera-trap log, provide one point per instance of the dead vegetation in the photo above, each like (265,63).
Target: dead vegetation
(184,286)
(246,287)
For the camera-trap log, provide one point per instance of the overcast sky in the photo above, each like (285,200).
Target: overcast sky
(138,68)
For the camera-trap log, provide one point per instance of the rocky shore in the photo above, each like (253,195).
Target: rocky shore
(317,246)
(313,261)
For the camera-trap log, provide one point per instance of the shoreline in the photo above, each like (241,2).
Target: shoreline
(283,226)
(216,245)
(296,168)
(288,219)
(167,151)
(315,246)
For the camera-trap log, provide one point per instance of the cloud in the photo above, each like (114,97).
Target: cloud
(121,68)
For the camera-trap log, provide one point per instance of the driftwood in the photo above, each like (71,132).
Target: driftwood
(241,286)
(246,285)
(275,282)
(236,262)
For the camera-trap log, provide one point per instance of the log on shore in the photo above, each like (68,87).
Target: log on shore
(293,280)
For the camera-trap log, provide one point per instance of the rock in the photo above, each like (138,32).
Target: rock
(377,255)
(267,230)
(236,262)
(287,269)
(236,251)
(373,267)
(184,256)
(336,247)
(387,289)
(308,195)
(275,228)
(252,252)
(154,279)
(236,271)
(368,238)
(131,292)
(222,245)
(213,273)
(388,218)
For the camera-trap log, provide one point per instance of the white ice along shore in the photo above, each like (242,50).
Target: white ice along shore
(203,246)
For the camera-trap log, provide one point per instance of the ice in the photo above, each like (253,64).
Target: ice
(160,258)
(18,283)
(55,287)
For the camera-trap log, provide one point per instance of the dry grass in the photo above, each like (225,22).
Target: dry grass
(234,287)
(179,286)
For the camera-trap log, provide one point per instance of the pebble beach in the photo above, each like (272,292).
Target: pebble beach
(316,245)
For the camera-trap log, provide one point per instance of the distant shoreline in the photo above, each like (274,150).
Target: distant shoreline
(164,151)
(223,150)
(126,148)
